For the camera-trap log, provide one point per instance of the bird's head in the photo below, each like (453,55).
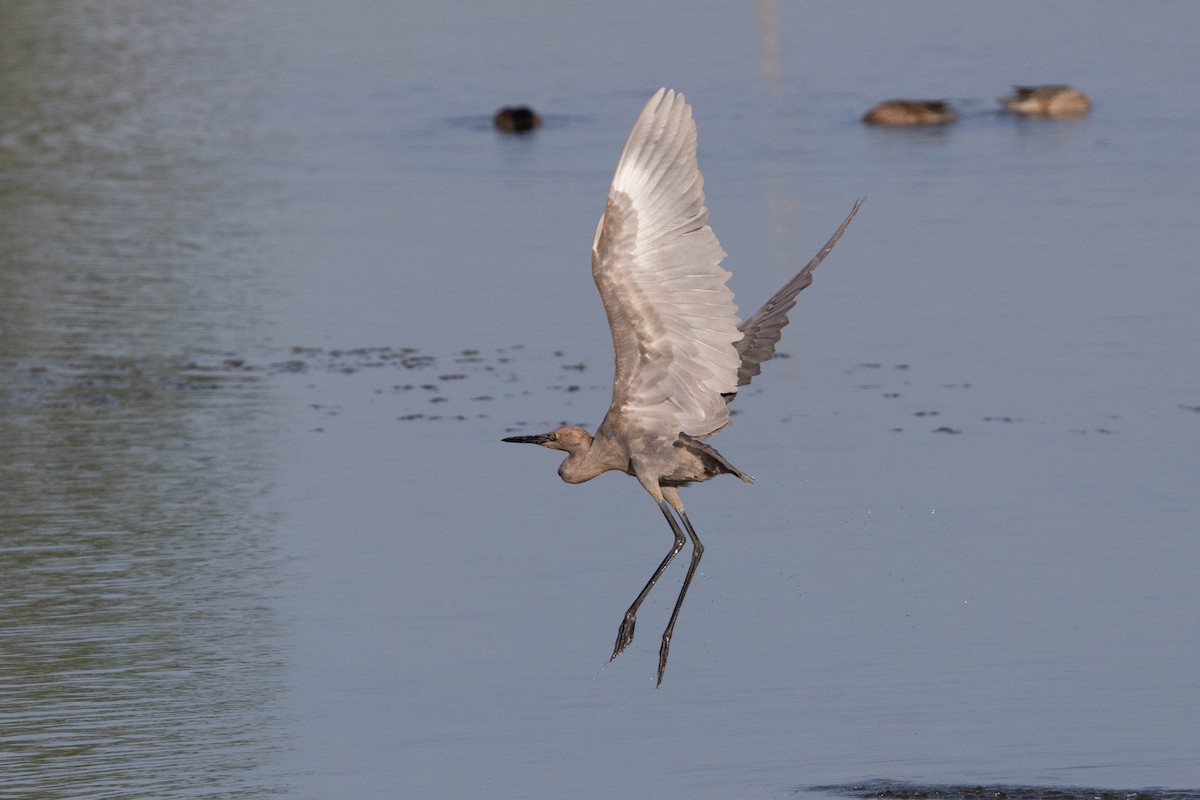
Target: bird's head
(568,438)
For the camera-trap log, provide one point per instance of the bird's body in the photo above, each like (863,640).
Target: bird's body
(516,119)
(1047,101)
(909,113)
(689,459)
(680,353)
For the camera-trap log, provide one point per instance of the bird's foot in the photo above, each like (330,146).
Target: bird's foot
(624,634)
(662,657)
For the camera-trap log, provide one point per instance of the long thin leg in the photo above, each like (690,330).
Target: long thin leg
(697,551)
(625,632)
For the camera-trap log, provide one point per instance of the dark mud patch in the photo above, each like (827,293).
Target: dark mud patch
(464,384)
(453,386)
(97,380)
(888,790)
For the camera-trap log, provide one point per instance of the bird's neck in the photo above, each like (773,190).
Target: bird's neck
(589,459)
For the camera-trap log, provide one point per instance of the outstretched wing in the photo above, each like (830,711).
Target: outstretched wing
(657,265)
(760,333)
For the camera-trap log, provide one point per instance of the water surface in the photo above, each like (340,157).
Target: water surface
(271,291)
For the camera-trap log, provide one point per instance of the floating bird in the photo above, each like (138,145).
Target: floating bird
(1046,101)
(681,355)
(909,113)
(516,119)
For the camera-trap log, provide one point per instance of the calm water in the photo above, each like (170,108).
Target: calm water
(271,291)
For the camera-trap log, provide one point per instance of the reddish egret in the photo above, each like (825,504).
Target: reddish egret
(680,353)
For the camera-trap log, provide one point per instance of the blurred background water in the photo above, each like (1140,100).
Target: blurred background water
(272,290)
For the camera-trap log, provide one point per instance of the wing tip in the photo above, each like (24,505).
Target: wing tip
(665,100)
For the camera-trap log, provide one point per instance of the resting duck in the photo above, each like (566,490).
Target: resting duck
(516,119)
(897,113)
(1046,101)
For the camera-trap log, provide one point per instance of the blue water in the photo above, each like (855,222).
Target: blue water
(272,291)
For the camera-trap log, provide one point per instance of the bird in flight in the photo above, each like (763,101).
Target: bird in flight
(681,355)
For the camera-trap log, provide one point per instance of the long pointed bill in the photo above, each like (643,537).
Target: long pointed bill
(541,438)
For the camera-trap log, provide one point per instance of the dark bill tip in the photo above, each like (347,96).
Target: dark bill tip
(541,438)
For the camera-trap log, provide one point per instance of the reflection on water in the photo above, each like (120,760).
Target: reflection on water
(121,147)
(140,648)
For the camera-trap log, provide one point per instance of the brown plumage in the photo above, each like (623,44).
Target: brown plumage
(1046,101)
(909,113)
(516,119)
